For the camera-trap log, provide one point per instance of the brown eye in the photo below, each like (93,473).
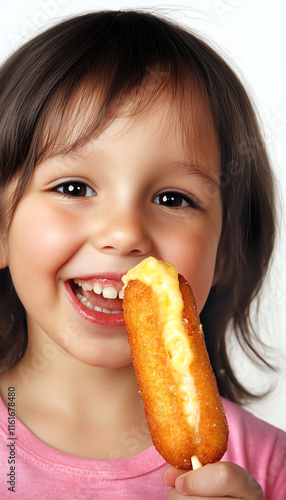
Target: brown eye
(171,200)
(175,200)
(75,189)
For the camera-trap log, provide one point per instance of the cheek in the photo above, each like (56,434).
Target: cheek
(40,241)
(202,275)
(194,255)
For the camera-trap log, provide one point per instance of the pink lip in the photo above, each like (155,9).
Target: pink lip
(99,318)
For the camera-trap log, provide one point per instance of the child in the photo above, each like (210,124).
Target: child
(123,136)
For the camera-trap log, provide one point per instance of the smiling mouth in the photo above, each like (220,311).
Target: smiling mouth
(103,296)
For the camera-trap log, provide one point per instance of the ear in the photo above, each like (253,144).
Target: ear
(216,277)
(3,255)
(219,267)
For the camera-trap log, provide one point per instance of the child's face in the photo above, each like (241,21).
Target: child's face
(95,213)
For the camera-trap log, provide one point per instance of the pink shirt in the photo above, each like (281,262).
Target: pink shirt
(43,472)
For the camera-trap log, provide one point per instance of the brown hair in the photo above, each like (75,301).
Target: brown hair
(99,60)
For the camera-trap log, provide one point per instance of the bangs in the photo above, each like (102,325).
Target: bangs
(82,109)
(82,112)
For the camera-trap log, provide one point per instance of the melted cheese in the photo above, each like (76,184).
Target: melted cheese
(163,278)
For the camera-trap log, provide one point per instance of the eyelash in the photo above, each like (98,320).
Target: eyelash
(171,197)
(74,187)
(174,197)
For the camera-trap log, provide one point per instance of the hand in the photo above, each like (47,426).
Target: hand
(222,480)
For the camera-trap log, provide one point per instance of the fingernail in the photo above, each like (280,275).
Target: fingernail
(180,485)
(166,477)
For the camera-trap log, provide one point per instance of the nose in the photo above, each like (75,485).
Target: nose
(124,232)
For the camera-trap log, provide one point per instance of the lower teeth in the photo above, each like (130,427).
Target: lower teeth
(89,305)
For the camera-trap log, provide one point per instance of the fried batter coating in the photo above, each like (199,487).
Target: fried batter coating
(174,437)
(212,434)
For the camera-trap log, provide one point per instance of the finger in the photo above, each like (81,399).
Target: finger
(174,495)
(222,479)
(170,475)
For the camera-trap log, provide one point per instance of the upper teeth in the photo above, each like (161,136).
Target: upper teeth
(108,292)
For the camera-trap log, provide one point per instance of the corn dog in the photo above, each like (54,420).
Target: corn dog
(182,405)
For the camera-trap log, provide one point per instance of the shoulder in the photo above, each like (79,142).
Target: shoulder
(242,421)
(258,447)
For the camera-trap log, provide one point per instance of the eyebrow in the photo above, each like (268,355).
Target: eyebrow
(188,167)
(201,171)
(73,154)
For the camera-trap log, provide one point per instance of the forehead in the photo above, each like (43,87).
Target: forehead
(185,116)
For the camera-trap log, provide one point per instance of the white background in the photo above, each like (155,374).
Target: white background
(250,34)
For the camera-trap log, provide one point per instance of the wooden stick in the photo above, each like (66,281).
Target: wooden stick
(196,464)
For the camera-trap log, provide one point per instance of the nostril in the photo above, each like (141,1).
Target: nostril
(123,237)
(137,252)
(111,249)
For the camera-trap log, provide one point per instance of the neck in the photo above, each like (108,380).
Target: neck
(74,387)
(64,402)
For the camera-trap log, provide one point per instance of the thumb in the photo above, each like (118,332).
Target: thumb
(170,474)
